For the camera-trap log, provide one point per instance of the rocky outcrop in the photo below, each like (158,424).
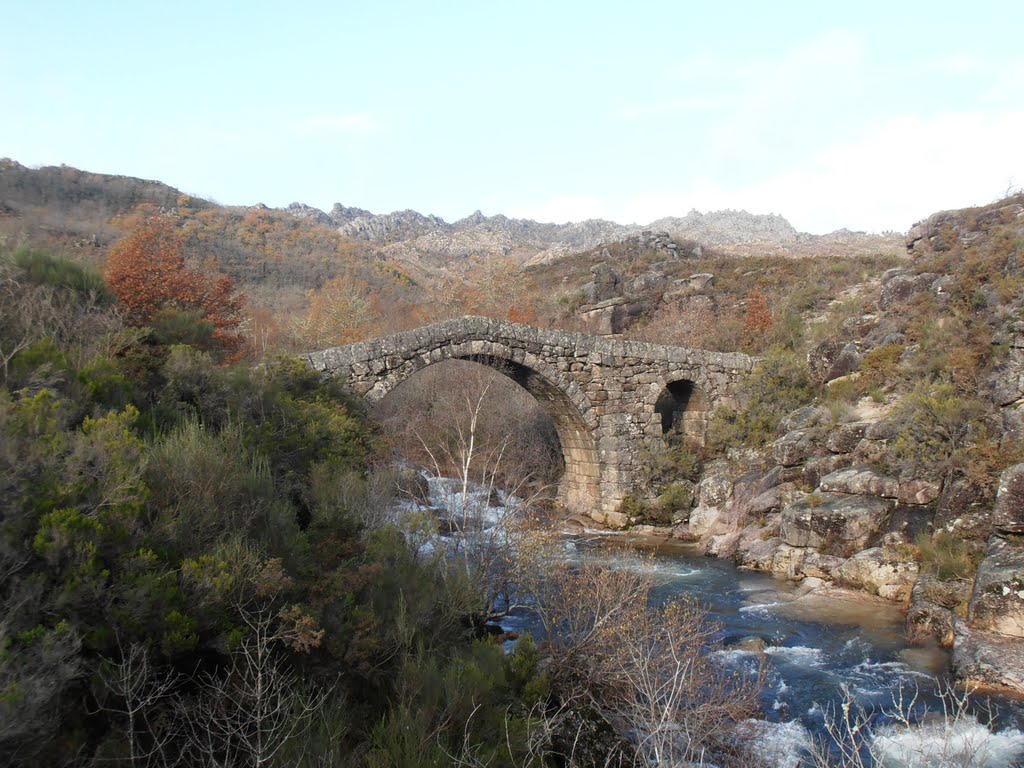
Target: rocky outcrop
(997,602)
(880,572)
(837,523)
(1008,515)
(899,285)
(987,659)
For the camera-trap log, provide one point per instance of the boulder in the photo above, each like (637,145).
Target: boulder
(987,659)
(805,417)
(835,523)
(861,325)
(870,451)
(931,609)
(880,573)
(769,501)
(1008,379)
(701,520)
(701,281)
(821,466)
(788,560)
(845,363)
(919,491)
(907,522)
(899,288)
(863,481)
(963,511)
(757,546)
(794,447)
(715,486)
(822,356)
(843,438)
(997,602)
(723,545)
(645,282)
(819,565)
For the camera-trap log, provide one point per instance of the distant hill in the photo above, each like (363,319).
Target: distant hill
(409,235)
(409,259)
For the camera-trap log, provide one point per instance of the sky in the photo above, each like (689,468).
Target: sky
(867,115)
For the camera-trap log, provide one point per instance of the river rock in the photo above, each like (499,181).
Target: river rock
(879,572)
(997,603)
(987,659)
(723,545)
(931,609)
(702,518)
(834,522)
(787,560)
(863,481)
(757,547)
(819,565)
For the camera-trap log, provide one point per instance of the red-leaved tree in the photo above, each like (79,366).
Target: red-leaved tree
(146,271)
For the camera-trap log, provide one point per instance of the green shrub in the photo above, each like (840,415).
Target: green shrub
(778,385)
(947,556)
(42,268)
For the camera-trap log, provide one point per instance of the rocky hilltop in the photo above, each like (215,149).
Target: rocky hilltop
(411,235)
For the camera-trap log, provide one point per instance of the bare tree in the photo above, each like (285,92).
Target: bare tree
(905,732)
(251,713)
(138,689)
(650,669)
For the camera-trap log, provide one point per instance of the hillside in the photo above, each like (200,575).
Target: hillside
(314,278)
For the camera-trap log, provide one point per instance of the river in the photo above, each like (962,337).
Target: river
(816,647)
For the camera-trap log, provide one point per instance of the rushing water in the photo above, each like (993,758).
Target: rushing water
(816,648)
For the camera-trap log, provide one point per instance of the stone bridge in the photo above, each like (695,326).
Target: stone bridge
(610,400)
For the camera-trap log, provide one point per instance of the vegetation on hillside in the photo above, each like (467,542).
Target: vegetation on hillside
(198,565)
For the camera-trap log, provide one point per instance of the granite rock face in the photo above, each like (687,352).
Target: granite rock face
(834,522)
(997,602)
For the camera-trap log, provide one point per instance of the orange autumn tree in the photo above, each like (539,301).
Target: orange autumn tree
(344,310)
(146,271)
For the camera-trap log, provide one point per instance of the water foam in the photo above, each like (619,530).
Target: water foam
(965,744)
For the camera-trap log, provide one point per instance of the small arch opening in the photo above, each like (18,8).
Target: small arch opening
(683,410)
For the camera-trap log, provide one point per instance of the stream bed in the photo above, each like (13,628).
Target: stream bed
(816,647)
(819,649)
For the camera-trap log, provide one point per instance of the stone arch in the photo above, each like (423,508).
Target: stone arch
(683,406)
(562,399)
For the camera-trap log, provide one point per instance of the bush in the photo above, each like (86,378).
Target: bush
(947,556)
(45,269)
(779,385)
(942,434)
